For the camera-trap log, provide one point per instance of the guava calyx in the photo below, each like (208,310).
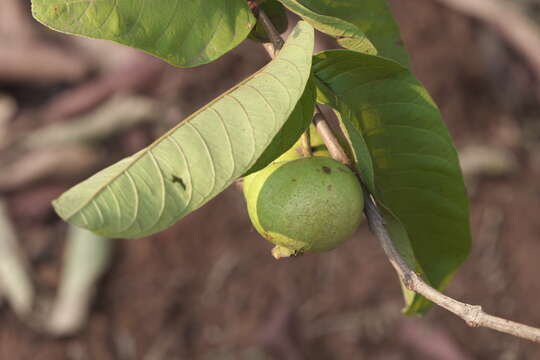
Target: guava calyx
(279,252)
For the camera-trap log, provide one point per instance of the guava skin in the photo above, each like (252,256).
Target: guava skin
(307,204)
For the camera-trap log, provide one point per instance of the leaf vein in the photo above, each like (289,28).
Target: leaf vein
(162,186)
(136,205)
(209,153)
(282,84)
(117,204)
(229,142)
(100,214)
(135,23)
(250,126)
(274,116)
(108,17)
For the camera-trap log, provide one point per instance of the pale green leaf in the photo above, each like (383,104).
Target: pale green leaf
(416,172)
(197,159)
(366,26)
(182,32)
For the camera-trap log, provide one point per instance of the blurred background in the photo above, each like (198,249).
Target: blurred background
(208,288)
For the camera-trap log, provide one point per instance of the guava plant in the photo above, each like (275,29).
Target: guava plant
(396,150)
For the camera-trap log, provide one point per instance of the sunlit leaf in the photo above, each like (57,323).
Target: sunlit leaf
(366,26)
(197,159)
(182,32)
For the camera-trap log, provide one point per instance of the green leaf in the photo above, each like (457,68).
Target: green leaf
(366,26)
(297,123)
(197,159)
(416,173)
(346,116)
(183,32)
(277,14)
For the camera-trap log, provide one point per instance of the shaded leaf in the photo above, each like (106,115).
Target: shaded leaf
(346,116)
(365,26)
(297,123)
(197,159)
(182,32)
(416,172)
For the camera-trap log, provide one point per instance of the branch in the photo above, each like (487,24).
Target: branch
(471,314)
(271,31)
(334,147)
(15,282)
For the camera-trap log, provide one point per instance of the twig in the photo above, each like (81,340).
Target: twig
(471,314)
(271,31)
(334,147)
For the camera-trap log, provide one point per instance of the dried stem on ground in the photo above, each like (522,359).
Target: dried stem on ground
(86,259)
(512,24)
(119,113)
(15,283)
(42,153)
(471,314)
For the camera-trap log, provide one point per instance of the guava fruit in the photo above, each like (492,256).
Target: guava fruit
(306,204)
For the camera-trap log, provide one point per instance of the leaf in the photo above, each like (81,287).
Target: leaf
(183,32)
(277,15)
(297,123)
(366,26)
(197,159)
(360,151)
(416,173)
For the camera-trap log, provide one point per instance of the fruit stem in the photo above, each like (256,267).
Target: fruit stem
(306,144)
(332,144)
(279,252)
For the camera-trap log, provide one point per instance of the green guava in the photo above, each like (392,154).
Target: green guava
(307,204)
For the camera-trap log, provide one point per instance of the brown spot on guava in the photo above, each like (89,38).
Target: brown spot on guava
(326,169)
(329,187)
